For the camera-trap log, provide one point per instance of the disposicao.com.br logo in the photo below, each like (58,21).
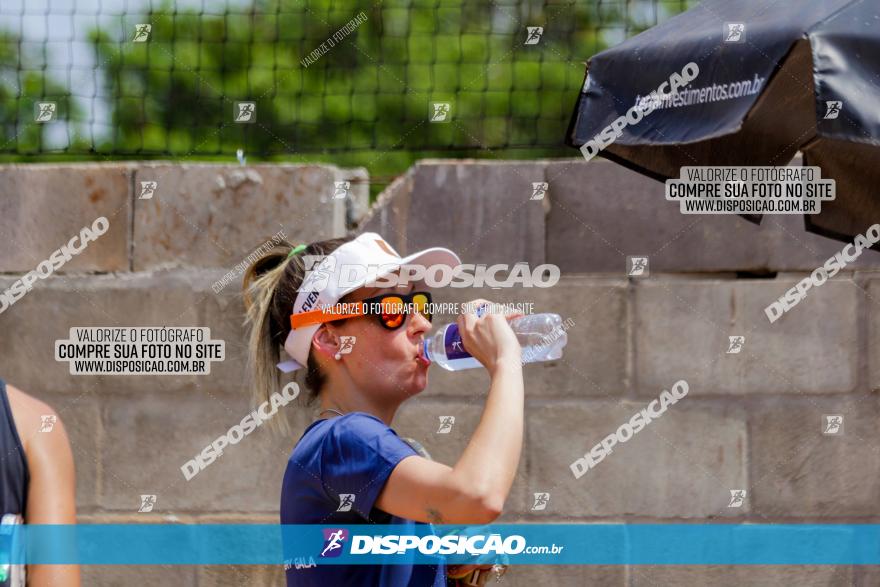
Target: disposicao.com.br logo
(321,269)
(431,544)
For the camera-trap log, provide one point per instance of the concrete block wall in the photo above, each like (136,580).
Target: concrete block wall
(593,217)
(155,266)
(750,421)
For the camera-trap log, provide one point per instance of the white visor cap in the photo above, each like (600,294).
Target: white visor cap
(346,269)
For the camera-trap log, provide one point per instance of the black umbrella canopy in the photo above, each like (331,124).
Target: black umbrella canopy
(795,76)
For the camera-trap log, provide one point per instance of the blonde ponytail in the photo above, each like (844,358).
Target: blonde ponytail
(269,291)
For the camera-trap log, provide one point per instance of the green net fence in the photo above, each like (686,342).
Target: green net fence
(280,78)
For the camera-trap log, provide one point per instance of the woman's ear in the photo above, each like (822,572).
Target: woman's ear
(325,341)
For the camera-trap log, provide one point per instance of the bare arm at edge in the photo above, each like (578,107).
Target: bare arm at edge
(51,497)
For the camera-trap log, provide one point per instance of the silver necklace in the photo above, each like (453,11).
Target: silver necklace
(331,410)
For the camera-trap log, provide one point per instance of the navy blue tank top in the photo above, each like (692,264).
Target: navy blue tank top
(14,474)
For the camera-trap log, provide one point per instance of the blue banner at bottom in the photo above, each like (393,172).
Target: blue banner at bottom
(527,544)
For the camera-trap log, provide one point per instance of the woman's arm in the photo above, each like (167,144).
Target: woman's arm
(51,497)
(475,489)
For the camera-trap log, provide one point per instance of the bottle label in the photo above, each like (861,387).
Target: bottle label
(453,344)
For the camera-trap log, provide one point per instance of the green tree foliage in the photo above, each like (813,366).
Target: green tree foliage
(19,91)
(368,91)
(363,100)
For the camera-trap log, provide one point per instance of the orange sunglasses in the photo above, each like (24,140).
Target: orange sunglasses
(389,309)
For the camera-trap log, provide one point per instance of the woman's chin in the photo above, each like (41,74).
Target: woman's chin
(418,383)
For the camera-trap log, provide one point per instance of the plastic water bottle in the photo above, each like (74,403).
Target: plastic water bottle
(541,336)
